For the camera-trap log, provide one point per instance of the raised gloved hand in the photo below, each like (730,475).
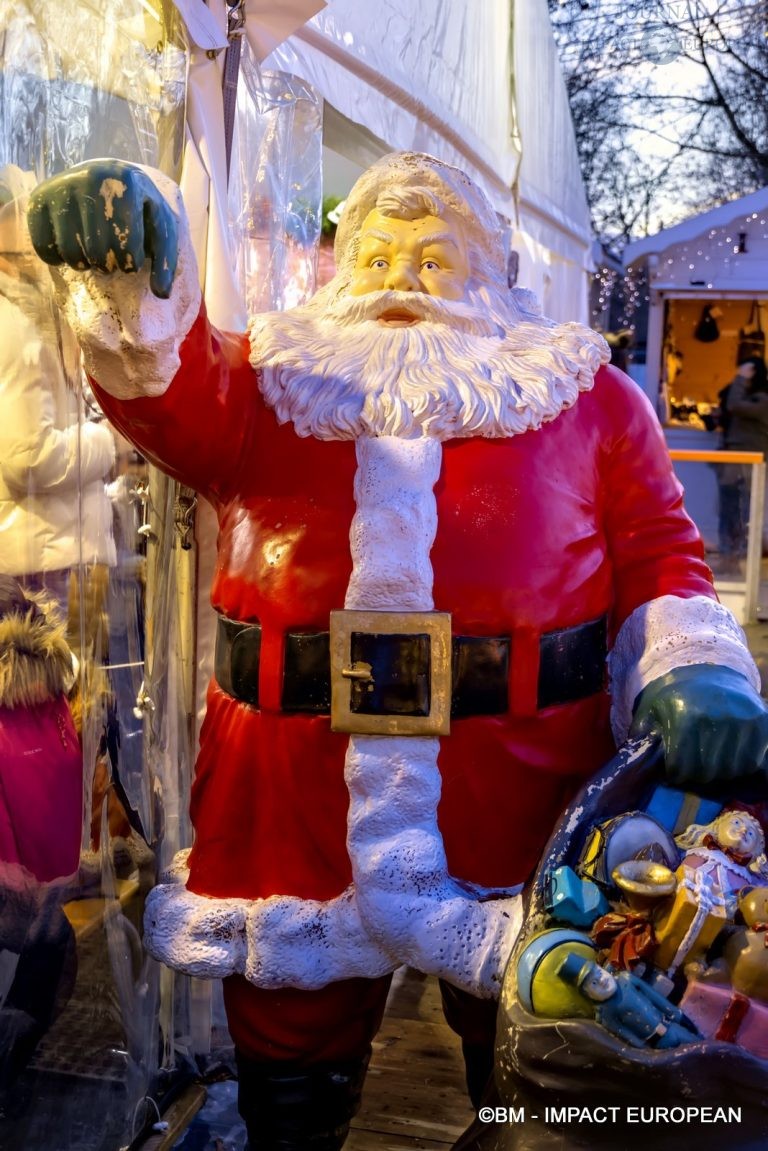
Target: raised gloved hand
(108,215)
(712,722)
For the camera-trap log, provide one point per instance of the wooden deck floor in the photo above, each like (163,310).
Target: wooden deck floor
(414,1096)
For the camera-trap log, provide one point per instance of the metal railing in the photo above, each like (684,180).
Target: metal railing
(750,585)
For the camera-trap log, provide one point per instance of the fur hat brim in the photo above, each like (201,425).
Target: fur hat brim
(35,660)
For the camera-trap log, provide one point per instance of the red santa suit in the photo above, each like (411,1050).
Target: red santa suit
(536,534)
(577,524)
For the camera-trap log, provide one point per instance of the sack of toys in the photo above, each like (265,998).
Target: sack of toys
(634,1010)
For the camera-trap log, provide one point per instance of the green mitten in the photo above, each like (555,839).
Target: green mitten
(108,215)
(713,724)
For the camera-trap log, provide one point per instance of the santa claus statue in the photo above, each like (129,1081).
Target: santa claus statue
(438,513)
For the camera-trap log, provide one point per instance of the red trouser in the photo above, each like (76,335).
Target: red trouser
(334,1024)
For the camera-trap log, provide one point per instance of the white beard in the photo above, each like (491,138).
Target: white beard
(483,368)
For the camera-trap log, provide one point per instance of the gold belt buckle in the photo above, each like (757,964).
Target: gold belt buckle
(436,624)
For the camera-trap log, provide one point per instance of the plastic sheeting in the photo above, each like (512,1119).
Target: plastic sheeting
(432,78)
(86,529)
(78,82)
(275,192)
(477,84)
(276,168)
(256,246)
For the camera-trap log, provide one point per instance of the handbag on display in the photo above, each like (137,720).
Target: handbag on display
(751,338)
(707,330)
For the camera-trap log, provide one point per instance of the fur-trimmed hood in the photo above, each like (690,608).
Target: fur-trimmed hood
(35,660)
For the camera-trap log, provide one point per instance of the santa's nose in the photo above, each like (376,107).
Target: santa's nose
(402,278)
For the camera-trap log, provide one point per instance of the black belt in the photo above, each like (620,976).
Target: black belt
(571,667)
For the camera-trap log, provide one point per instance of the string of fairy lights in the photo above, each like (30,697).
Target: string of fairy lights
(706,262)
(686,266)
(617,297)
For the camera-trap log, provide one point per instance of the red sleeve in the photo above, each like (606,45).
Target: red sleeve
(654,546)
(199,429)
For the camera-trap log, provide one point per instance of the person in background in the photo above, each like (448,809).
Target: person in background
(620,344)
(54,509)
(744,423)
(41,805)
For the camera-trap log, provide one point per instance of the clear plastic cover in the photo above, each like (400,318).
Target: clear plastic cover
(93,747)
(275,191)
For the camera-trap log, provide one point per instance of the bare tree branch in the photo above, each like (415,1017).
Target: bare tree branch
(669,102)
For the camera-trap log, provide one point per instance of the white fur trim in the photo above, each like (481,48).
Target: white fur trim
(194,934)
(304,943)
(394,525)
(288,942)
(671,632)
(130,338)
(177,870)
(403,906)
(277,942)
(407,899)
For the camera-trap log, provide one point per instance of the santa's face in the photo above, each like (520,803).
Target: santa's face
(426,255)
(413,342)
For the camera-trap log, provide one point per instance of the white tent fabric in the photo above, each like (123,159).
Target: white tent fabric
(477,84)
(553,236)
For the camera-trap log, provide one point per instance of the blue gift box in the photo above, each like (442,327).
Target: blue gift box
(675,809)
(569,899)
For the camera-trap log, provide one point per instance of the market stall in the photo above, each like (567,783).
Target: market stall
(708,290)
(708,312)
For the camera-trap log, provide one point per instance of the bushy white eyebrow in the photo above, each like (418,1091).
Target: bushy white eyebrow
(377,234)
(387,238)
(438,238)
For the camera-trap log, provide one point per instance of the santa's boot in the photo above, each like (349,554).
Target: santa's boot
(475,1021)
(478,1067)
(304,1109)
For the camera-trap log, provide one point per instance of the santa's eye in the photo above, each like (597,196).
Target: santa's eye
(430,266)
(380,263)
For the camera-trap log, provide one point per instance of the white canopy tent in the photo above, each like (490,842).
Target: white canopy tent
(554,233)
(477,84)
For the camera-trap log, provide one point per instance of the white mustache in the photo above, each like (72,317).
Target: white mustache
(460,315)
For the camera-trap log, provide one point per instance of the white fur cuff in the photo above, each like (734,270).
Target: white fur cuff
(289,942)
(194,934)
(670,632)
(177,870)
(130,338)
(278,942)
(305,943)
